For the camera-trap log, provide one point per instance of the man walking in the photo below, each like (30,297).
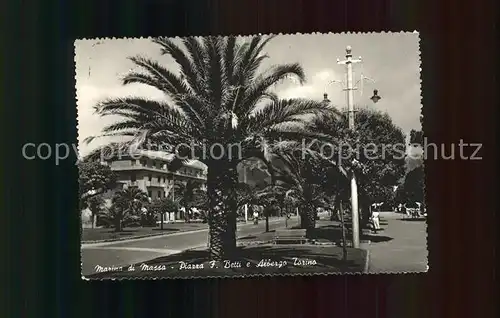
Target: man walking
(255,217)
(376,221)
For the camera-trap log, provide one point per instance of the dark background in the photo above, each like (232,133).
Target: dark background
(40,243)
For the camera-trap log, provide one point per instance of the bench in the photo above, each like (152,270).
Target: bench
(290,235)
(413,213)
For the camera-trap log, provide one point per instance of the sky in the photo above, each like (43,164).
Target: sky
(392,60)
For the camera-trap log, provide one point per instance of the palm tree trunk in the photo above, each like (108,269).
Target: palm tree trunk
(222,181)
(186,214)
(267,223)
(311,215)
(161,221)
(307,217)
(118,224)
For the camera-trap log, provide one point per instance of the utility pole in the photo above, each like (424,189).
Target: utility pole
(349,61)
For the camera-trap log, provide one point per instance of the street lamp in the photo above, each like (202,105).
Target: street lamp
(348,62)
(375,98)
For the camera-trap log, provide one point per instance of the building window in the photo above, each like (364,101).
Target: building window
(133,178)
(150,178)
(149,194)
(159,194)
(132,162)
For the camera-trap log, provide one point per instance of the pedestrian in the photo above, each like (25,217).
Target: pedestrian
(255,217)
(376,221)
(406,210)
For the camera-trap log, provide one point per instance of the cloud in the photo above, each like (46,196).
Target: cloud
(314,88)
(90,124)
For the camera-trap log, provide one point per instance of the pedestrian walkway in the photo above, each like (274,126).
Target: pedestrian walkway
(400,247)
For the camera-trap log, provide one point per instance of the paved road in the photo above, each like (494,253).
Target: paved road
(128,252)
(406,252)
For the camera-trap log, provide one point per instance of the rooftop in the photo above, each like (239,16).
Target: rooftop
(151,154)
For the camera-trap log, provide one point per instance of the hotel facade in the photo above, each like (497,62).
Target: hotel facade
(148,171)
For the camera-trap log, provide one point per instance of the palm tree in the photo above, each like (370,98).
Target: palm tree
(95,205)
(271,197)
(300,181)
(126,203)
(219,98)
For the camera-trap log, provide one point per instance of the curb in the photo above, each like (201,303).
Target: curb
(135,237)
(367,262)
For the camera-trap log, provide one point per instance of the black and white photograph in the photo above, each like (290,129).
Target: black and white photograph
(233,156)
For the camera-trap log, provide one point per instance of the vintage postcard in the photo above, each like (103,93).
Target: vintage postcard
(257,155)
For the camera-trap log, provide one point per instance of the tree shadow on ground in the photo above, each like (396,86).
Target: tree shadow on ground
(122,232)
(422,219)
(113,233)
(333,233)
(100,234)
(374,238)
(246,238)
(261,260)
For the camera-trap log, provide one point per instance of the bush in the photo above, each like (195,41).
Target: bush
(148,219)
(132,221)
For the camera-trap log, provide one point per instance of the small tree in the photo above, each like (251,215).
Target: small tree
(413,186)
(270,197)
(186,192)
(126,206)
(95,205)
(162,206)
(94,179)
(417,136)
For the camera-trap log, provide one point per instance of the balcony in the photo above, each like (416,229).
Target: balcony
(155,183)
(197,175)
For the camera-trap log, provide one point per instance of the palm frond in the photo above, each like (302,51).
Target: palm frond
(287,110)
(162,78)
(188,68)
(134,105)
(90,139)
(197,52)
(217,81)
(229,59)
(258,89)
